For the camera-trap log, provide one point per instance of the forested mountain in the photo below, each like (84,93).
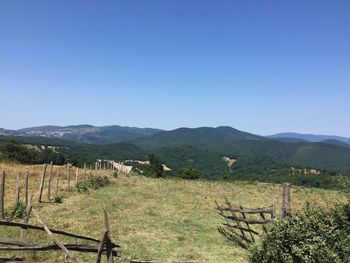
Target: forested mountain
(257,157)
(87,133)
(199,137)
(309,137)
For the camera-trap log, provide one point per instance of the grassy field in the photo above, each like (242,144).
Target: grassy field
(35,172)
(163,219)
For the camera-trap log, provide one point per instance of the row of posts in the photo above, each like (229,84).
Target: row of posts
(98,166)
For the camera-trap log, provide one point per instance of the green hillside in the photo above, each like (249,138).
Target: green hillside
(210,163)
(199,137)
(257,158)
(164,220)
(323,156)
(90,134)
(76,153)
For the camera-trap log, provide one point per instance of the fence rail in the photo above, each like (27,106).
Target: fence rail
(243,225)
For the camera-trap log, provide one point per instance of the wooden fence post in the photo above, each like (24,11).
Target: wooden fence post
(17,190)
(2,195)
(49,183)
(68,176)
(23,234)
(109,246)
(26,186)
(286,200)
(57,181)
(76,175)
(42,181)
(84,169)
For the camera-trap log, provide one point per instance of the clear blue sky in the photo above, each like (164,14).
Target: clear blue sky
(259,66)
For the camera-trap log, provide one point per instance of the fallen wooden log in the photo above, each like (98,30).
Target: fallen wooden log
(54,239)
(53,246)
(13,259)
(55,231)
(152,261)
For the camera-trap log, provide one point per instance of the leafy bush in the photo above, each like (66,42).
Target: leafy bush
(19,210)
(154,169)
(15,151)
(57,199)
(312,236)
(93,182)
(189,172)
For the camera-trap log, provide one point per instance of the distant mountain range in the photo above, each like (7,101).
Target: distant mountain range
(203,147)
(114,133)
(85,133)
(308,137)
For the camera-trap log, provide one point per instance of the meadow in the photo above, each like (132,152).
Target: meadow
(157,219)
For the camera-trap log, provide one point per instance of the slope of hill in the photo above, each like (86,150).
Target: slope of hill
(337,143)
(178,221)
(204,148)
(309,137)
(80,153)
(322,156)
(89,133)
(199,137)
(210,163)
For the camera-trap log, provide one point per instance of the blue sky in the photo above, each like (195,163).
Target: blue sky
(259,66)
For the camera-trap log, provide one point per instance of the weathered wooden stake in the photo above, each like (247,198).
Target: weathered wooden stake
(77,176)
(54,239)
(42,181)
(286,200)
(68,176)
(26,187)
(49,184)
(57,181)
(84,169)
(109,246)
(23,234)
(17,190)
(2,195)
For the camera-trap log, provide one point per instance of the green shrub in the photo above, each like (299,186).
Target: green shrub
(312,236)
(189,172)
(93,182)
(18,211)
(154,169)
(57,199)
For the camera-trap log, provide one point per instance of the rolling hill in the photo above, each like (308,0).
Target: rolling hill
(87,133)
(258,158)
(309,137)
(199,137)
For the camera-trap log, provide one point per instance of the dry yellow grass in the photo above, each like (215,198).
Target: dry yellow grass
(35,172)
(165,219)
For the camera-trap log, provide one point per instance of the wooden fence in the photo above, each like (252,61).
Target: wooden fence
(243,225)
(47,183)
(103,245)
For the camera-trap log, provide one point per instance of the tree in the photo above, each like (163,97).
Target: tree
(156,166)
(189,172)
